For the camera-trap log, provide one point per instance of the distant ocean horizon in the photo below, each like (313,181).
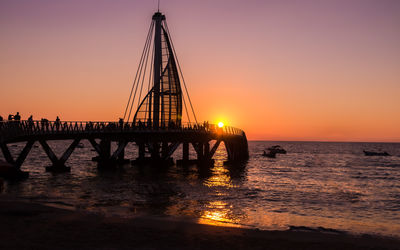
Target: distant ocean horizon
(317,185)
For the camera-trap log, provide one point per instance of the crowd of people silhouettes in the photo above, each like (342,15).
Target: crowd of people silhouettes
(58,125)
(16,117)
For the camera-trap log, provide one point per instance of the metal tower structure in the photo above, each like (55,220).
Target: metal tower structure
(162,106)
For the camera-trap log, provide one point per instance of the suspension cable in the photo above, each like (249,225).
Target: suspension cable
(141,58)
(144,76)
(186,109)
(140,67)
(148,43)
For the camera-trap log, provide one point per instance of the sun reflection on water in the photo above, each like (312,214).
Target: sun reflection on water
(219,178)
(218,213)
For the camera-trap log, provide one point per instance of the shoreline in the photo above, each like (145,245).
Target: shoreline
(27,224)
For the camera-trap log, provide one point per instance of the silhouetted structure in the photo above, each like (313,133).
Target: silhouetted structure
(156,126)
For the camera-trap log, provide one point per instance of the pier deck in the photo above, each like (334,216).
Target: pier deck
(158,143)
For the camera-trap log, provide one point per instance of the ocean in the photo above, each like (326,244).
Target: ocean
(328,186)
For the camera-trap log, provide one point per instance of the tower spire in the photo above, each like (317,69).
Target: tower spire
(158,18)
(162,105)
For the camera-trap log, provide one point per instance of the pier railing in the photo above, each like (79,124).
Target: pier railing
(12,129)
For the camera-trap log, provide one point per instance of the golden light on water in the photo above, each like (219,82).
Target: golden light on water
(220,174)
(217,213)
(220,178)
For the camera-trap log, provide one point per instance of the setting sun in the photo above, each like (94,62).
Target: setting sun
(220,124)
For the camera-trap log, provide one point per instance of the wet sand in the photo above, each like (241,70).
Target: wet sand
(27,225)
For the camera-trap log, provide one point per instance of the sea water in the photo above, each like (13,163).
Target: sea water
(316,185)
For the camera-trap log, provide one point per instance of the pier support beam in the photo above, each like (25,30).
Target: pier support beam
(169,150)
(121,155)
(206,150)
(198,147)
(164,150)
(207,156)
(13,170)
(185,155)
(203,153)
(154,149)
(160,153)
(58,163)
(103,149)
(185,152)
(7,154)
(214,148)
(142,150)
(118,155)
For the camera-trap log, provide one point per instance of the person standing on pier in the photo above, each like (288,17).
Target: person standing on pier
(10,117)
(17,117)
(30,122)
(121,123)
(1,118)
(57,123)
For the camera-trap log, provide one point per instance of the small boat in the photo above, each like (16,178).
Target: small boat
(269,154)
(277,149)
(371,153)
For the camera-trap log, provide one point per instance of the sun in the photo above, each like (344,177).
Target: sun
(220,124)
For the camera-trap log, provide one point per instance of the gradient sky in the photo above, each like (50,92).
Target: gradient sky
(280,70)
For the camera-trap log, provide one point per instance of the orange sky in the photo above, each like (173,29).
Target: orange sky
(280,70)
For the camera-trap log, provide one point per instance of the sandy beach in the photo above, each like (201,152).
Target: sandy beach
(28,225)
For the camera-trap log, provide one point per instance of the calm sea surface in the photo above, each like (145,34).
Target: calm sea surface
(317,184)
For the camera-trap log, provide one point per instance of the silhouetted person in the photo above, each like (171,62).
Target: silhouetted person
(121,122)
(30,122)
(57,123)
(17,117)
(45,123)
(1,118)
(10,117)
